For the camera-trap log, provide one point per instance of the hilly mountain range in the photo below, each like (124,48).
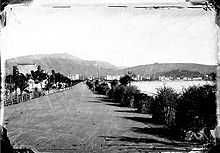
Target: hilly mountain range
(68,64)
(64,63)
(162,68)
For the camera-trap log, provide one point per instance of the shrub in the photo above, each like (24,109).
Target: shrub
(111,92)
(89,84)
(125,80)
(102,88)
(125,95)
(119,94)
(164,106)
(130,93)
(114,83)
(143,103)
(197,108)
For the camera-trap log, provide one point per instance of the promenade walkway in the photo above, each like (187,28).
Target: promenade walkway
(78,120)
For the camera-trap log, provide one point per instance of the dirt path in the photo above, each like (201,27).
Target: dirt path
(79,121)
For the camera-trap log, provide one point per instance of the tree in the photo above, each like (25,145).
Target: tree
(125,80)
(33,76)
(9,79)
(52,77)
(215,3)
(9,83)
(39,74)
(212,76)
(21,82)
(114,83)
(4,3)
(15,75)
(19,79)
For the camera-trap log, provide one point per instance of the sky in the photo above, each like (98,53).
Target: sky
(121,36)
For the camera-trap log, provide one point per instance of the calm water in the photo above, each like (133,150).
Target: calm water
(150,87)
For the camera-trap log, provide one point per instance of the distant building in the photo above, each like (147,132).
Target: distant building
(148,77)
(164,78)
(91,77)
(26,68)
(197,79)
(74,76)
(187,79)
(112,77)
(137,78)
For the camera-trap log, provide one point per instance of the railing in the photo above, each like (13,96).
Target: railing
(16,99)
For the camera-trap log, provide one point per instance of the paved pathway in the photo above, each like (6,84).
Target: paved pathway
(79,121)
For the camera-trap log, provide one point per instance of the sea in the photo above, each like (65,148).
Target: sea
(150,87)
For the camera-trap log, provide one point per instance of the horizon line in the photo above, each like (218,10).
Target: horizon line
(118,66)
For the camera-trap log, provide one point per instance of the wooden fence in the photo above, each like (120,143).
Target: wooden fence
(16,99)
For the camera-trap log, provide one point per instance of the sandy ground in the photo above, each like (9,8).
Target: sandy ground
(79,121)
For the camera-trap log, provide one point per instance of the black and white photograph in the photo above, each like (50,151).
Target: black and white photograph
(110,76)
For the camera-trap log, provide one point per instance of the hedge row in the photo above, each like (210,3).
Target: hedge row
(193,109)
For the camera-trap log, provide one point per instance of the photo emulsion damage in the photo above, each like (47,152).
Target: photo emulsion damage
(110,76)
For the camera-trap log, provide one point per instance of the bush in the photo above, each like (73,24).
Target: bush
(197,108)
(193,109)
(114,83)
(102,88)
(111,92)
(130,93)
(164,106)
(125,95)
(119,94)
(89,84)
(125,80)
(143,103)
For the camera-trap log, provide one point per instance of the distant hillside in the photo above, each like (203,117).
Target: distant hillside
(181,74)
(19,1)
(64,63)
(158,68)
(68,64)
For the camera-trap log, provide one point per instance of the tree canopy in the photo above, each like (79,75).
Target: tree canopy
(125,80)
